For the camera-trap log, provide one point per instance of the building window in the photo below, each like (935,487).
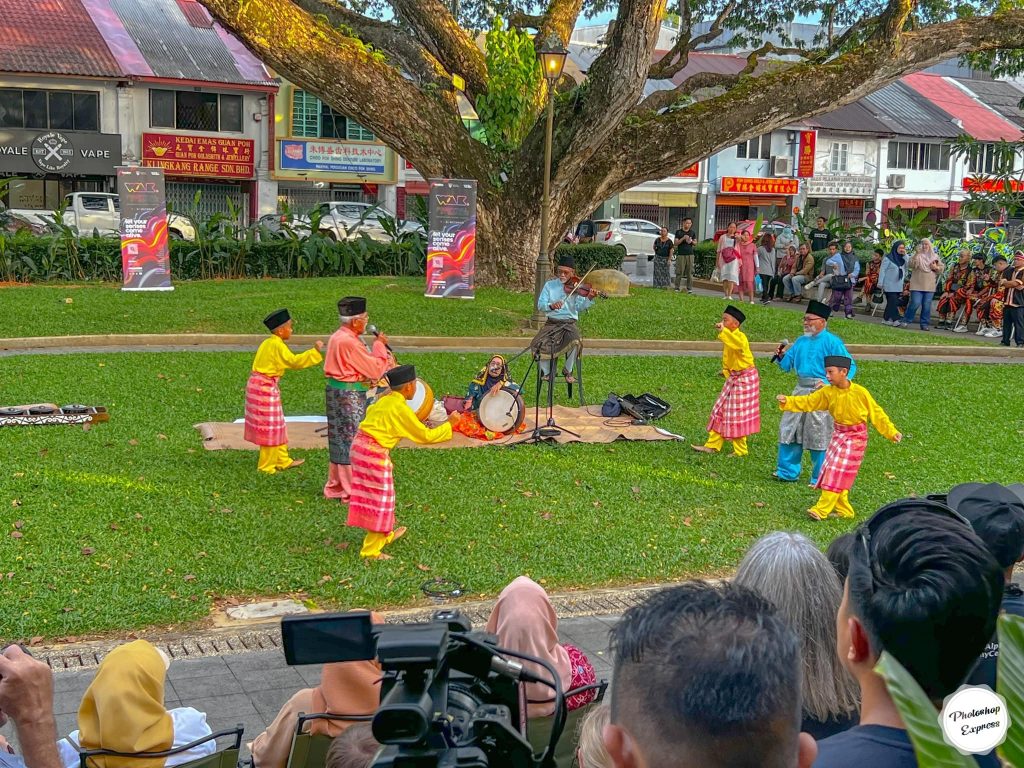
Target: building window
(918,156)
(992,159)
(758,148)
(838,159)
(195,111)
(312,119)
(53,110)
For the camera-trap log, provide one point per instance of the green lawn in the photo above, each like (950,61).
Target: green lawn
(397,306)
(132,524)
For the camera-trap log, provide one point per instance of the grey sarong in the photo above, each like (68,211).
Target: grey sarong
(345,409)
(811,430)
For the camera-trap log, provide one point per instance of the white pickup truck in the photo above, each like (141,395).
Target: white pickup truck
(100,212)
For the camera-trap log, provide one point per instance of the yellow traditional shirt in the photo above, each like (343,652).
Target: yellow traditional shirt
(390,419)
(273,358)
(847,406)
(736,355)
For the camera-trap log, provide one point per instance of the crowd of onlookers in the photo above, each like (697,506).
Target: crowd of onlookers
(775,668)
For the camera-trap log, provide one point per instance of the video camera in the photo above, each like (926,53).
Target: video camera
(449,697)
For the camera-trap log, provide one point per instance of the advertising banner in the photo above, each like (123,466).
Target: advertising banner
(751,186)
(336,156)
(217,157)
(145,256)
(693,172)
(451,241)
(805,163)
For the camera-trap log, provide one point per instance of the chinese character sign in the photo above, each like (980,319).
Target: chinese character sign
(752,186)
(805,163)
(145,258)
(451,241)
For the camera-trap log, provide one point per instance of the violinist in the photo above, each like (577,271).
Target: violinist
(561,300)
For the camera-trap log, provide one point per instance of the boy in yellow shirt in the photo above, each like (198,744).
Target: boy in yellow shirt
(852,406)
(372,502)
(737,412)
(264,417)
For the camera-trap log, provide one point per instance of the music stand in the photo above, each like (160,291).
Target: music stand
(551,429)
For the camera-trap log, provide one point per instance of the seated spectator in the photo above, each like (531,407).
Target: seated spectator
(838,553)
(706,675)
(922,587)
(123,710)
(997,515)
(489,380)
(346,688)
(355,748)
(829,268)
(524,621)
(791,572)
(591,752)
(799,274)
(26,697)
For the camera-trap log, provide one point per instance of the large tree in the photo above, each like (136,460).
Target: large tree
(390,64)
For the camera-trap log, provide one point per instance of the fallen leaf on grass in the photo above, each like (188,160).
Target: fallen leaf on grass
(341,546)
(19,474)
(15,502)
(422,567)
(889,475)
(35,640)
(115,527)
(759,504)
(19,524)
(323,580)
(17,535)
(687,521)
(188,577)
(528,494)
(635,489)
(161,437)
(546,516)
(86,551)
(133,441)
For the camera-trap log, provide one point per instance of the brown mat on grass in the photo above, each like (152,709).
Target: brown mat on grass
(219,435)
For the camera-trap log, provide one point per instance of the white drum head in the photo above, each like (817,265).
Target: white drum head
(502,412)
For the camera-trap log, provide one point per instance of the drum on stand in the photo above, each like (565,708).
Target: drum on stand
(503,411)
(422,402)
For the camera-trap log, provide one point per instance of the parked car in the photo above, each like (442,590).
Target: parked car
(635,236)
(99,212)
(340,220)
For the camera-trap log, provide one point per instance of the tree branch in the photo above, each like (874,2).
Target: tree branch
(677,58)
(854,29)
(891,23)
(559,19)
(425,129)
(525,21)
(413,58)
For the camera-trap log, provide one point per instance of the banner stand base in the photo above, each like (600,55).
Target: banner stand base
(140,290)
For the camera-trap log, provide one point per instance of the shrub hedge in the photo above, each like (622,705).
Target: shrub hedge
(587,255)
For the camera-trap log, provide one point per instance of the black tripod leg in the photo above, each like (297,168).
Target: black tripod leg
(551,391)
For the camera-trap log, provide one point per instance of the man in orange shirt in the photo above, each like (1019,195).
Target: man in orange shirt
(350,370)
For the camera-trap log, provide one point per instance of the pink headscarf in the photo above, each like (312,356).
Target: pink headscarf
(524,621)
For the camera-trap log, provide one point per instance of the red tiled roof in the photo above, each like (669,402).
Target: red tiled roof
(52,37)
(978,120)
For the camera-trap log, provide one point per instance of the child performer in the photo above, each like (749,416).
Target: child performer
(852,406)
(737,412)
(264,417)
(372,503)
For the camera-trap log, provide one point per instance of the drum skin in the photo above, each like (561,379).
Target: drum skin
(503,411)
(422,402)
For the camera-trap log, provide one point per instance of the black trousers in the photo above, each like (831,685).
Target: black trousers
(892,306)
(1013,326)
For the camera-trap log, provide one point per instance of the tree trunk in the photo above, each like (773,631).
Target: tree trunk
(508,241)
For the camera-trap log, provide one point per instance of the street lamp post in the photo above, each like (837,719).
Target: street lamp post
(552,59)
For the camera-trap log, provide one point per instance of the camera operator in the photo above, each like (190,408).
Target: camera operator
(26,697)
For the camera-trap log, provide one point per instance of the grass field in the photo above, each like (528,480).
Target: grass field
(132,524)
(398,307)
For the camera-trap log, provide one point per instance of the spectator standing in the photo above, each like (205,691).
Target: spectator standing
(845,268)
(789,571)
(727,260)
(820,236)
(748,265)
(685,240)
(891,277)
(922,587)
(1012,283)
(925,268)
(662,256)
(766,263)
(800,274)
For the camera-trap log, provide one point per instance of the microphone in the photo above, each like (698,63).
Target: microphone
(780,351)
(376,333)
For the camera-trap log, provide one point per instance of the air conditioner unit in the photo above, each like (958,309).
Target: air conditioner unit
(782,166)
(896,180)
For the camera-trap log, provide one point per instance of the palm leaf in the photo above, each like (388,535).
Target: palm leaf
(1010,682)
(920,717)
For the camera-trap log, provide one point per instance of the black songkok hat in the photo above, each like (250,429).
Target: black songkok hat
(838,361)
(403,374)
(567,261)
(276,319)
(819,309)
(351,306)
(733,312)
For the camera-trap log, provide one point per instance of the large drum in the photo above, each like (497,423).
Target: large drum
(503,411)
(422,402)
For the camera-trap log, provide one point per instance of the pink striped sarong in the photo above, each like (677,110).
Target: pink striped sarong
(264,417)
(843,457)
(737,412)
(372,505)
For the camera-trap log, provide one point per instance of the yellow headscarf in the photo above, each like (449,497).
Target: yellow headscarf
(123,707)
(484,376)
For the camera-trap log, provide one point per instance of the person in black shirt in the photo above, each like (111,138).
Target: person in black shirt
(1012,283)
(662,257)
(585,231)
(820,236)
(686,238)
(923,587)
(997,515)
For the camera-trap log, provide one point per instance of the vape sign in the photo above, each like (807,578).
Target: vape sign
(53,151)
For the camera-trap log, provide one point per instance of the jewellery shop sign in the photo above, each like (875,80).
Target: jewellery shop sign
(67,153)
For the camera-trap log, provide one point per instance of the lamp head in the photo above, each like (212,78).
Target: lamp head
(552,57)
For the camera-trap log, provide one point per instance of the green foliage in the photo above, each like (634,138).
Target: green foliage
(507,110)
(1000,194)
(1010,684)
(589,255)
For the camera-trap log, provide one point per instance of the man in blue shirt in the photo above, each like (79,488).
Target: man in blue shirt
(808,431)
(562,311)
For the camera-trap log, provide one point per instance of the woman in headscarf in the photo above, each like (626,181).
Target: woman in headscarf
(891,277)
(123,710)
(489,380)
(791,572)
(346,688)
(925,269)
(524,621)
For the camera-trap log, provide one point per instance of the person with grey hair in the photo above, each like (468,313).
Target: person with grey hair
(790,572)
(350,370)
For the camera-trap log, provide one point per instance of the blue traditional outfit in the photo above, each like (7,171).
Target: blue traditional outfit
(560,328)
(808,431)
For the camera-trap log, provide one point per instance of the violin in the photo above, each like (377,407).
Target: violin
(575,285)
